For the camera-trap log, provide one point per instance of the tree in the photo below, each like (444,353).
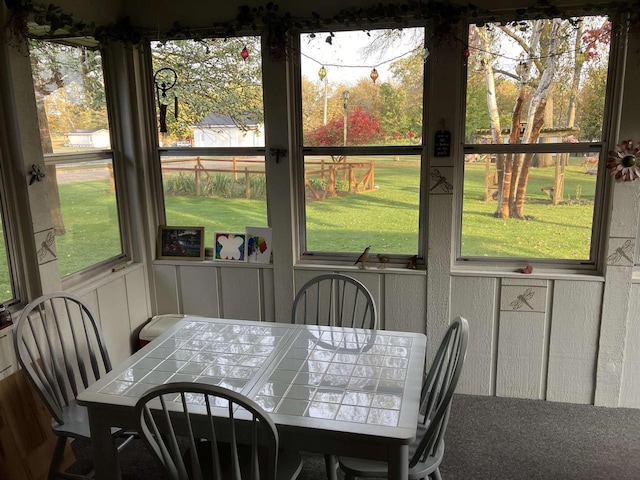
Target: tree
(362,129)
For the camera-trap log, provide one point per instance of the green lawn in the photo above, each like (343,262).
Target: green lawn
(551,231)
(386,218)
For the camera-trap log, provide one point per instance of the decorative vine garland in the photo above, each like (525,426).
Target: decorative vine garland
(442,13)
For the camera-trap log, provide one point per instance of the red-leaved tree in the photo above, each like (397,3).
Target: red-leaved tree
(362,128)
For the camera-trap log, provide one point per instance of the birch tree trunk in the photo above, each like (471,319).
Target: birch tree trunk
(535,115)
(578,62)
(486,61)
(514,161)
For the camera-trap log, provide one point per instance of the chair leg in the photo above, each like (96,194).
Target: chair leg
(56,459)
(436,474)
(331,464)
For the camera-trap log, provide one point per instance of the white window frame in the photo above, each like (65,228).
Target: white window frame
(124,256)
(609,129)
(326,257)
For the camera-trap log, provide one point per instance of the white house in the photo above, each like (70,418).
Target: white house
(223,131)
(89,138)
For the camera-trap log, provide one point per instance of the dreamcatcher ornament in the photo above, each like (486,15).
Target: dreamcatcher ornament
(624,161)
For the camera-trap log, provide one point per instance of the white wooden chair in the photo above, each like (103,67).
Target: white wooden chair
(61,350)
(426,452)
(240,442)
(335,299)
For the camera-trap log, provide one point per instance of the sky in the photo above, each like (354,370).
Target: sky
(348,51)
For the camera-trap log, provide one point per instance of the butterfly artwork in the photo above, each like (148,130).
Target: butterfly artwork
(230,247)
(258,244)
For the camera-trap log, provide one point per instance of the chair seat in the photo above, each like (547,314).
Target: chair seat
(289,462)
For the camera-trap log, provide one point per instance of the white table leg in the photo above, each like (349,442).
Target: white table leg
(399,462)
(105,457)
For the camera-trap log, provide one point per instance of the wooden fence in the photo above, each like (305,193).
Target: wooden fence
(329,171)
(199,171)
(358,175)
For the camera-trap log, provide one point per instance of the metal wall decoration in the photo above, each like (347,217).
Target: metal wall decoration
(36,174)
(164,80)
(45,242)
(523,299)
(624,161)
(440,180)
(621,252)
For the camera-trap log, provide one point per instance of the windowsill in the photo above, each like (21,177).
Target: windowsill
(354,269)
(213,263)
(536,274)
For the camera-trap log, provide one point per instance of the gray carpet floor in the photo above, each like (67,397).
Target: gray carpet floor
(502,439)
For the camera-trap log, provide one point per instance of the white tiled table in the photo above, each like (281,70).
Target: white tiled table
(329,389)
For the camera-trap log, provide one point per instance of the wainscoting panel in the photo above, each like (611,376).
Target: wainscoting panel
(573,342)
(475,299)
(114,317)
(166,291)
(630,395)
(521,346)
(240,293)
(199,290)
(405,302)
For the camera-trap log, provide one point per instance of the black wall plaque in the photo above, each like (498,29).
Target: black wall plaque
(442,144)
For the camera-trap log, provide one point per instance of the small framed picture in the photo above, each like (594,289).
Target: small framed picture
(230,246)
(258,244)
(183,243)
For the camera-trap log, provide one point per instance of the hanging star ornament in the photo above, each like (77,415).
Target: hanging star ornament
(624,161)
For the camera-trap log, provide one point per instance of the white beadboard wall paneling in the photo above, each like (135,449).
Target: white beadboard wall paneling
(137,302)
(240,293)
(114,316)
(199,290)
(268,296)
(8,362)
(167,294)
(474,298)
(405,302)
(630,394)
(521,346)
(573,341)
(438,272)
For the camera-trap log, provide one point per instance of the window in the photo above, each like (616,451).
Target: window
(361,110)
(535,139)
(79,163)
(7,286)
(212,151)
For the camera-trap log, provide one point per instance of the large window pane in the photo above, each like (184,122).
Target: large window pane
(218,94)
(372,79)
(556,226)
(6,285)
(535,119)
(89,215)
(362,201)
(70,97)
(554,71)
